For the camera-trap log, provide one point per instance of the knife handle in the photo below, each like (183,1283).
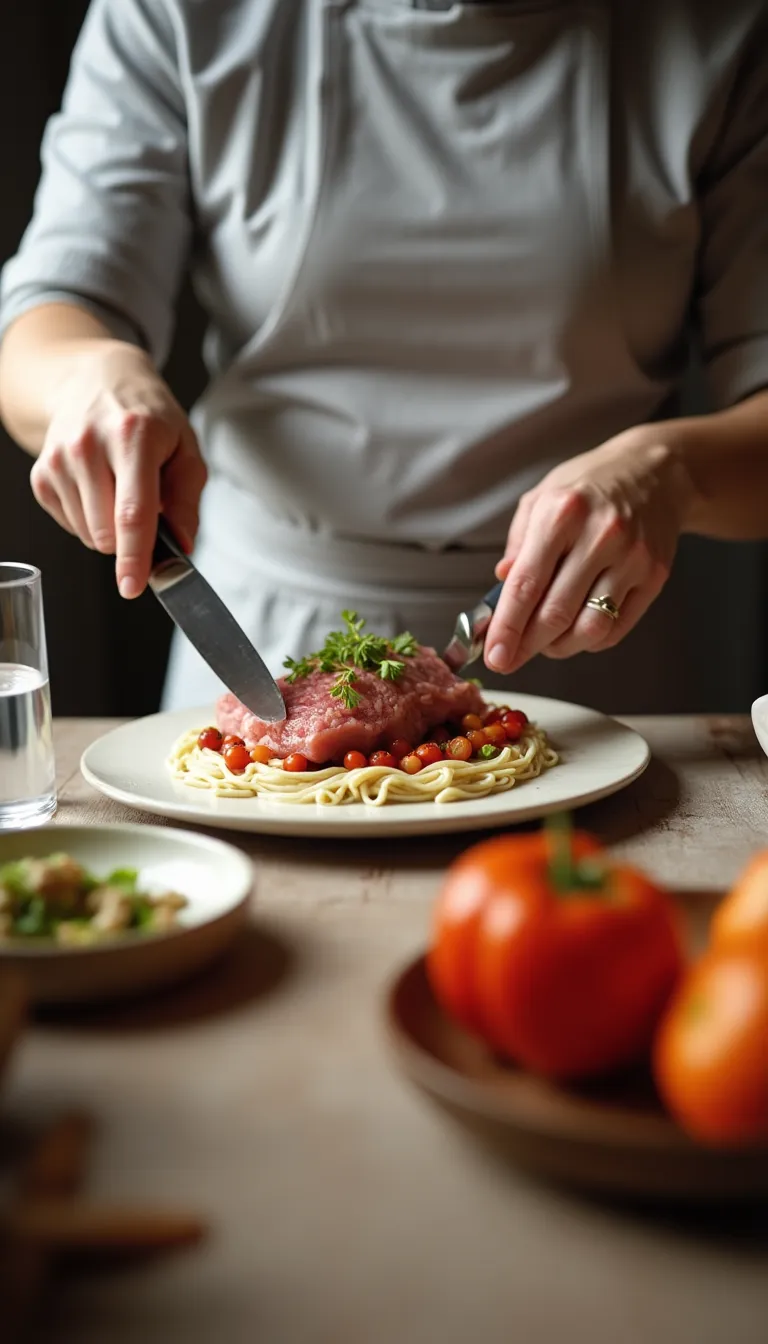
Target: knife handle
(491,598)
(166,546)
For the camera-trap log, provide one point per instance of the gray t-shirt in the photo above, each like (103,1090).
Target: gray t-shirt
(441,247)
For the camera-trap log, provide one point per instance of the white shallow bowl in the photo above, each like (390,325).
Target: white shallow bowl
(215,878)
(760,721)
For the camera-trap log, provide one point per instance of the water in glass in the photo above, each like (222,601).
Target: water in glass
(27,773)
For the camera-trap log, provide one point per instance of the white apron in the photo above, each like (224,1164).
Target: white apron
(447,330)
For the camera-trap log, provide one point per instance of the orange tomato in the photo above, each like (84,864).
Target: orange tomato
(560,960)
(459,749)
(237,758)
(478,738)
(741,918)
(495,734)
(412,764)
(471,723)
(261,755)
(711,1050)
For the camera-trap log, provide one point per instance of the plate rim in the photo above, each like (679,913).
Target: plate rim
(10,953)
(347,822)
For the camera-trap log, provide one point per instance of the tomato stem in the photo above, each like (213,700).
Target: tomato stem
(560,832)
(567,873)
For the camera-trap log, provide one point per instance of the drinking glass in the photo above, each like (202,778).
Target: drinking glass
(27,772)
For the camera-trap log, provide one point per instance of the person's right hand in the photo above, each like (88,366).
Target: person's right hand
(119,450)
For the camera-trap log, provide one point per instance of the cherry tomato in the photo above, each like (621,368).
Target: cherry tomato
(495,733)
(559,959)
(741,918)
(711,1051)
(237,758)
(440,735)
(471,723)
(400,748)
(384,758)
(232,741)
(355,760)
(514,724)
(296,763)
(495,713)
(429,753)
(261,755)
(412,764)
(459,749)
(210,739)
(477,738)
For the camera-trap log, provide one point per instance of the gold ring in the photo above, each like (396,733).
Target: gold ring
(606,605)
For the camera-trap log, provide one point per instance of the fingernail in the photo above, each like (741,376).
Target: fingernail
(128,587)
(498,657)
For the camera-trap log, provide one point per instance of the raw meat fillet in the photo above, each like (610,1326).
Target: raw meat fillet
(322,729)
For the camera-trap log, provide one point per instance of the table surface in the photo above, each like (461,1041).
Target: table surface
(344,1209)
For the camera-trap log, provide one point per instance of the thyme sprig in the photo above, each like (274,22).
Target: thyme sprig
(349,650)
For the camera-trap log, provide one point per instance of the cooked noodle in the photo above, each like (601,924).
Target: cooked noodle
(333,786)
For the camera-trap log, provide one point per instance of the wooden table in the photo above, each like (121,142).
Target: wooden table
(345,1210)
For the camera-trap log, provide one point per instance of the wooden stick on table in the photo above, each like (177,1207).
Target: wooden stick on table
(55,1169)
(48,1218)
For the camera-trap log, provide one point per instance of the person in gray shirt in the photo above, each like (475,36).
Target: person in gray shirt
(452,258)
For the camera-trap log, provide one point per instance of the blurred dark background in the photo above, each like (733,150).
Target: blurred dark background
(108,657)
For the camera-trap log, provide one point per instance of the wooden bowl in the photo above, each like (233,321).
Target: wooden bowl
(612,1139)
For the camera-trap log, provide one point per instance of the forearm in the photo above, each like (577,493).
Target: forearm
(39,352)
(726,457)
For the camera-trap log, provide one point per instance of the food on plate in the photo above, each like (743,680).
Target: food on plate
(56,898)
(368,720)
(560,958)
(711,1051)
(741,918)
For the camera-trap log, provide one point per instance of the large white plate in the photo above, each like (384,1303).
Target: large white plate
(599,756)
(215,877)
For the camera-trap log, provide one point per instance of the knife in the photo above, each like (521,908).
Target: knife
(471,629)
(191,602)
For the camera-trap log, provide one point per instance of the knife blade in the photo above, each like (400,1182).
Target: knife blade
(470,631)
(202,616)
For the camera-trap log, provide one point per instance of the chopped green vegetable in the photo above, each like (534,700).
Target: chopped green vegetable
(34,920)
(55,897)
(348,649)
(143,912)
(124,878)
(488,751)
(15,878)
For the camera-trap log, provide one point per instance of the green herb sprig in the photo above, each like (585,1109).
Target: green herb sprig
(349,650)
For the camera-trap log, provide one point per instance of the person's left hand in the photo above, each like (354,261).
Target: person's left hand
(604,523)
